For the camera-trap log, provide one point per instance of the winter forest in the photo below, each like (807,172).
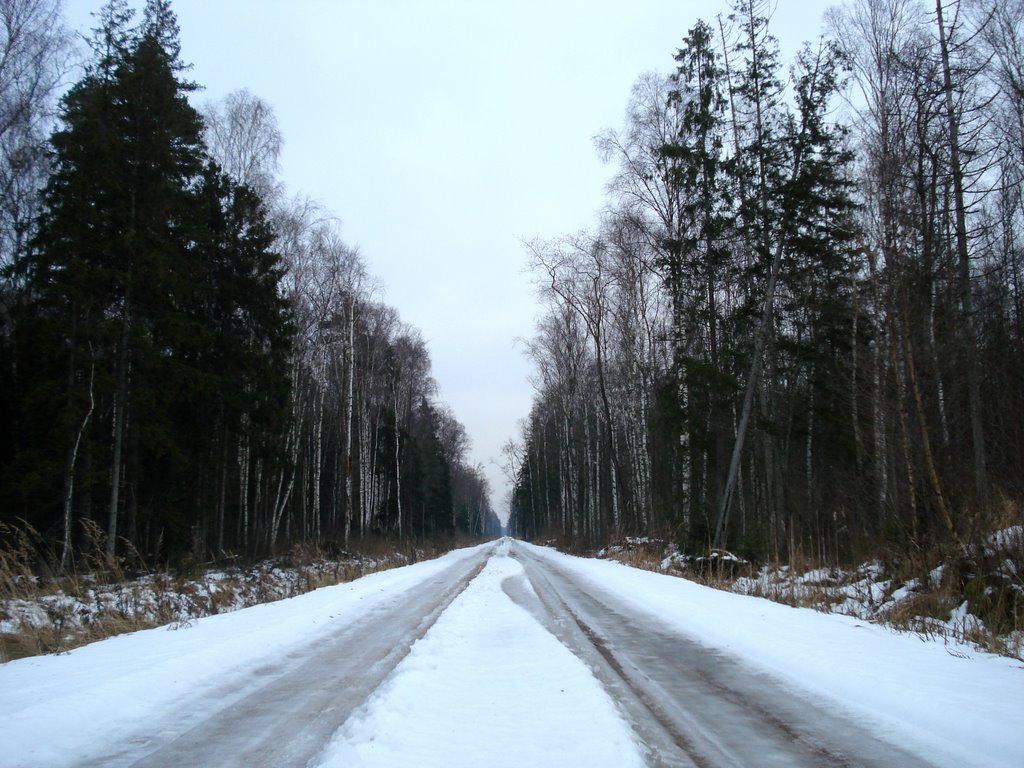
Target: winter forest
(797,331)
(192,362)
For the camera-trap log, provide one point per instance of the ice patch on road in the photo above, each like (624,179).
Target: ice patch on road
(487,685)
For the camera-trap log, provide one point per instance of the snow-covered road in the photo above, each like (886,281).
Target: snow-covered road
(512,655)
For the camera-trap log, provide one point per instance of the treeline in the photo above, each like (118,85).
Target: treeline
(191,361)
(798,329)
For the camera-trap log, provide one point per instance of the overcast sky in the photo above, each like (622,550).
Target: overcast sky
(443,133)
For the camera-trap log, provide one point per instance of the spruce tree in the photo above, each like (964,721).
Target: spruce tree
(240,334)
(697,261)
(106,277)
(817,279)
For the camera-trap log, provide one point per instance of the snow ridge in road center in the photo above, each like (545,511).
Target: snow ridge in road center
(487,685)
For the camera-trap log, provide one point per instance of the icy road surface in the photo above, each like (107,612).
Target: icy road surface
(512,655)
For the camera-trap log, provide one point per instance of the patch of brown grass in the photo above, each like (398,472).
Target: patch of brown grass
(637,558)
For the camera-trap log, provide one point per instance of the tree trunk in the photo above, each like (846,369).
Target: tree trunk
(243,480)
(222,501)
(318,459)
(765,326)
(349,397)
(964,264)
(120,407)
(69,471)
(398,466)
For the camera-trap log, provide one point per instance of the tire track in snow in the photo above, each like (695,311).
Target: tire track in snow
(487,686)
(665,745)
(689,704)
(284,712)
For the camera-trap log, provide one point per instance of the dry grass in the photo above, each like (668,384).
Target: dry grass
(798,594)
(43,611)
(975,598)
(914,604)
(637,558)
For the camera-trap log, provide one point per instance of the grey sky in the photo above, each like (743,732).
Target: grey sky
(442,133)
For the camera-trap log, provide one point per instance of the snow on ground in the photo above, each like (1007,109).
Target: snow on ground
(56,710)
(487,685)
(923,605)
(951,704)
(78,603)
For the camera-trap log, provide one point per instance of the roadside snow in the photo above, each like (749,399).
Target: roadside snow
(78,603)
(487,685)
(59,710)
(951,704)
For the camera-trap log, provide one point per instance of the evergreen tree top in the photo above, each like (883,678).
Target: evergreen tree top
(116,37)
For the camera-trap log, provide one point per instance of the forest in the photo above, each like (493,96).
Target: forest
(796,332)
(192,362)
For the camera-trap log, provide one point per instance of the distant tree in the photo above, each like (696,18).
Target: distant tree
(243,136)
(34,50)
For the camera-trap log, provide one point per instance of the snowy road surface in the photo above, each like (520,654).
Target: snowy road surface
(512,655)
